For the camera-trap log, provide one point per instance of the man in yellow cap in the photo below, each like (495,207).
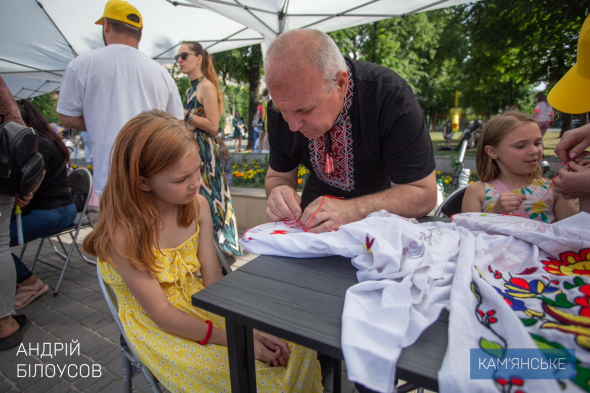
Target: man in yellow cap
(103,89)
(572,95)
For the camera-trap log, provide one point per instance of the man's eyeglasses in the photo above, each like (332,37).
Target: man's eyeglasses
(183,56)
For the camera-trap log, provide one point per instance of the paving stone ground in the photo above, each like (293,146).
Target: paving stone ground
(79,313)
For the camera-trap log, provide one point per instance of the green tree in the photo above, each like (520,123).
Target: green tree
(243,65)
(47,105)
(514,45)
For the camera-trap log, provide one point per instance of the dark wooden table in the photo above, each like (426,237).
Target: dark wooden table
(301,300)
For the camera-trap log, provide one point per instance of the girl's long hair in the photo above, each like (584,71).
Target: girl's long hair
(208,69)
(150,143)
(493,132)
(34,118)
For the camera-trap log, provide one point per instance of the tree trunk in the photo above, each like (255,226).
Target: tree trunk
(254,82)
(566,123)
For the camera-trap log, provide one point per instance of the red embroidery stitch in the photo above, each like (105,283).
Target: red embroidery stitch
(279,233)
(342,165)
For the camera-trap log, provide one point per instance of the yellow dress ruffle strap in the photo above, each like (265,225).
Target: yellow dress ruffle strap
(183,365)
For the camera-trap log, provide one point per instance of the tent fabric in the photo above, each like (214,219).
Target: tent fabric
(271,17)
(40,37)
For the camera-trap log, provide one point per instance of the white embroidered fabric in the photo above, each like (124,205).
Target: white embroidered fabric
(507,268)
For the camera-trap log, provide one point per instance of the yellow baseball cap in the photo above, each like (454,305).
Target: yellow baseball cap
(119,10)
(572,93)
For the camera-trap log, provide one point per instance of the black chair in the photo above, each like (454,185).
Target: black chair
(452,204)
(79,180)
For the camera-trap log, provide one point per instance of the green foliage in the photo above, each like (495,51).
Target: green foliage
(514,45)
(237,92)
(182,81)
(47,105)
(492,51)
(243,65)
(253,176)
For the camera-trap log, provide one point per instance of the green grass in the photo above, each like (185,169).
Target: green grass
(550,140)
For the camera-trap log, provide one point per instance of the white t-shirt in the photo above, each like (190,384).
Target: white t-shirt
(109,86)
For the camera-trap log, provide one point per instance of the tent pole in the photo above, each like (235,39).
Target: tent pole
(256,17)
(282,14)
(423,8)
(62,34)
(176,3)
(239,5)
(340,14)
(39,88)
(226,38)
(33,68)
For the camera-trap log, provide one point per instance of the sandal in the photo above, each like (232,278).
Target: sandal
(26,294)
(17,337)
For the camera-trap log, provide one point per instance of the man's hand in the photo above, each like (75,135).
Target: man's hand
(573,181)
(332,214)
(23,201)
(283,202)
(508,202)
(573,143)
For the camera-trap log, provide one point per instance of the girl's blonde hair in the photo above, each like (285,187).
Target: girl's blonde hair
(148,144)
(493,132)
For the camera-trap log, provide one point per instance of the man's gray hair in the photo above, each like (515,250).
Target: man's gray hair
(322,52)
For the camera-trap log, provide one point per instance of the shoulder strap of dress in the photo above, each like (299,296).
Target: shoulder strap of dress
(500,186)
(503,189)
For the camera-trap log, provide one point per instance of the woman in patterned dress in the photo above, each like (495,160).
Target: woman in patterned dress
(203,106)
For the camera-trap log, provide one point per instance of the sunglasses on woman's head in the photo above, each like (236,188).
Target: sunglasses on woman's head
(183,56)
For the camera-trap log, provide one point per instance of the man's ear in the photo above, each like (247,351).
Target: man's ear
(143,184)
(491,152)
(342,82)
(106,25)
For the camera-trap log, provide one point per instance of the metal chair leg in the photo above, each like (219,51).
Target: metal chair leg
(22,252)
(90,261)
(127,373)
(224,262)
(61,254)
(63,271)
(37,254)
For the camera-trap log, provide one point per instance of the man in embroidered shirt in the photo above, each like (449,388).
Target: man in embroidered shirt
(355,125)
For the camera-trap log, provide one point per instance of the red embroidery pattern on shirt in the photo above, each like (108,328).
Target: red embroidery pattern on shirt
(343,174)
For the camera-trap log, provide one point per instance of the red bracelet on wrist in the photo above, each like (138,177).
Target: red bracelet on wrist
(208,335)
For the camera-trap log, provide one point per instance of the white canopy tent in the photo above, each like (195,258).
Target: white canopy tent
(38,38)
(272,17)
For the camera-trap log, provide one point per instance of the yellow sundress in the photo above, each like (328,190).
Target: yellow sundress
(183,365)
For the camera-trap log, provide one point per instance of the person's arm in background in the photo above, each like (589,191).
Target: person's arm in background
(71,101)
(77,123)
(8,106)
